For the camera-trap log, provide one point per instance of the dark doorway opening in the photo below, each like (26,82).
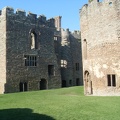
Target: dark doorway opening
(23,87)
(43,84)
(77,82)
(63,83)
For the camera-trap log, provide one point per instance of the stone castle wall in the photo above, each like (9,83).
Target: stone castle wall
(100,33)
(32,35)
(18,44)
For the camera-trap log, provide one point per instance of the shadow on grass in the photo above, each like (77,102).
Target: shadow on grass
(22,114)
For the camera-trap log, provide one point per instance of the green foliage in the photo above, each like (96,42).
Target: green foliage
(58,104)
(90,0)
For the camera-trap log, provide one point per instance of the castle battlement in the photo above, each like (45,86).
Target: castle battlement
(21,15)
(96,4)
(102,18)
(31,15)
(20,12)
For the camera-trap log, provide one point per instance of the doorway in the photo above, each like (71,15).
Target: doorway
(43,84)
(63,83)
(88,83)
(22,87)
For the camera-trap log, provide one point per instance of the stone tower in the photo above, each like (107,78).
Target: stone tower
(100,33)
(58,22)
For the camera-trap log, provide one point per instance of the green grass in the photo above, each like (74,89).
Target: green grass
(58,104)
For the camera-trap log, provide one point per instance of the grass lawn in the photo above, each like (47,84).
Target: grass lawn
(58,104)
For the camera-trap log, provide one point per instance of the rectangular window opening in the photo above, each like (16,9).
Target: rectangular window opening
(111,80)
(55,38)
(50,69)
(30,60)
(77,66)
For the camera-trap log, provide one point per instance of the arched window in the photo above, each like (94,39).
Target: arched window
(33,37)
(87,83)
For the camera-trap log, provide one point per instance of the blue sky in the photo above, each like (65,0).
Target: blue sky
(68,9)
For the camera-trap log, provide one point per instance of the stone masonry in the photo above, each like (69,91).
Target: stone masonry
(28,60)
(32,53)
(100,34)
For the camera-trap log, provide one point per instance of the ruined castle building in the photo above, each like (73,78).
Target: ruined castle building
(27,54)
(71,66)
(68,52)
(100,33)
(66,59)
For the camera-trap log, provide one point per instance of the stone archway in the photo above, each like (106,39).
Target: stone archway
(87,83)
(43,84)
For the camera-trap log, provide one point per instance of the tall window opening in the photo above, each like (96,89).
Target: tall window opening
(30,60)
(50,69)
(77,66)
(111,80)
(63,63)
(85,49)
(55,38)
(33,37)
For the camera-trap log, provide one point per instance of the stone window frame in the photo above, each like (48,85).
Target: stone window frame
(30,60)
(111,80)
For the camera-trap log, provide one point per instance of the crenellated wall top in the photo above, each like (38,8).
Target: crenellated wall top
(96,4)
(22,15)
